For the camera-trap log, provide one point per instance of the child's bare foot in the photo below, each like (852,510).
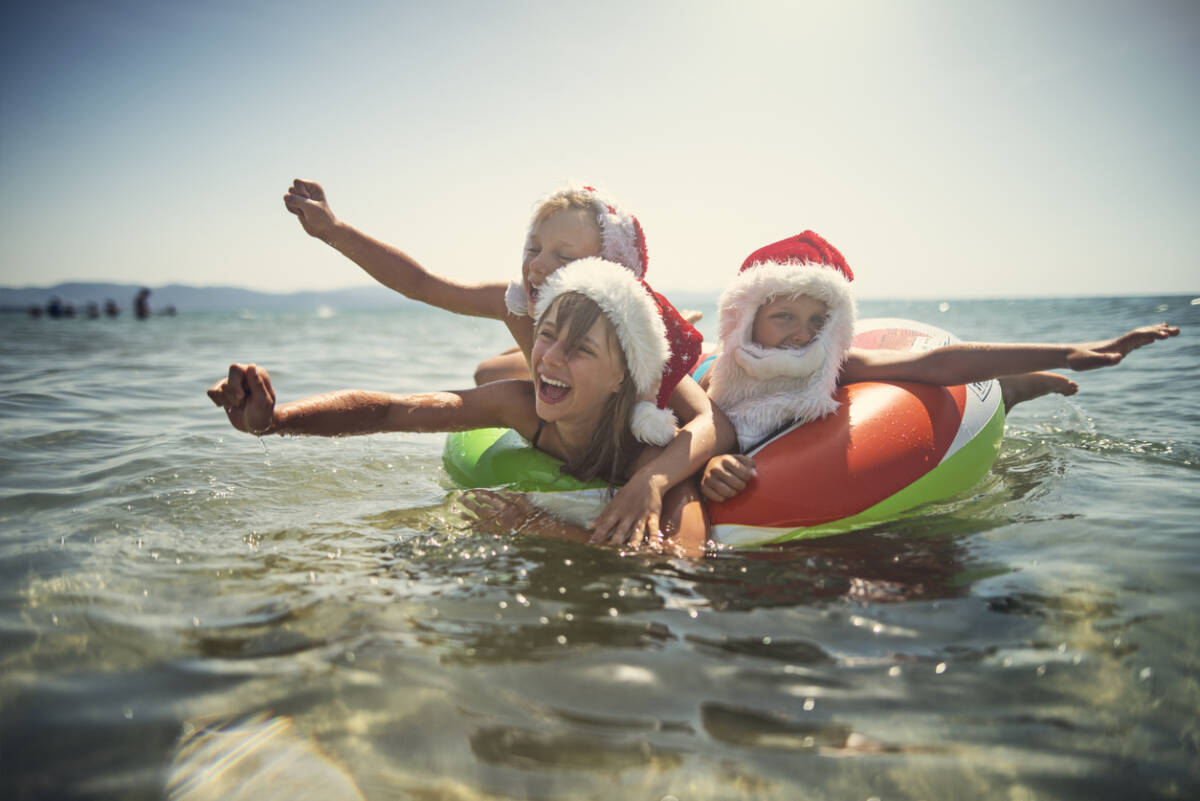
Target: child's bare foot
(1017,388)
(1107,353)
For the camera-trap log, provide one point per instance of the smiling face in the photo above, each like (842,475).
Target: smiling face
(789,322)
(575,370)
(558,239)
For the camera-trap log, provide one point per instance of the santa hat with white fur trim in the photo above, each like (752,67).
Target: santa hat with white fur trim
(760,388)
(622,240)
(660,347)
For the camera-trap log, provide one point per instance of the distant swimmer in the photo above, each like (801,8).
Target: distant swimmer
(141,304)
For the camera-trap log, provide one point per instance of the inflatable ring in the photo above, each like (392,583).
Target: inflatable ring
(888,448)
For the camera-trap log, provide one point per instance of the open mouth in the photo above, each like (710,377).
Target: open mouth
(550,390)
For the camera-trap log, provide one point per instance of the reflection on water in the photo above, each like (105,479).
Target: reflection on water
(249,760)
(190,614)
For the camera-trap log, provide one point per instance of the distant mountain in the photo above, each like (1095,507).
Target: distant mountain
(197,298)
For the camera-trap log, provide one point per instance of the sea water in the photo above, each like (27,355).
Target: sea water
(190,612)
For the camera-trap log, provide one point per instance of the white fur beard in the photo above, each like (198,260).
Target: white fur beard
(758,406)
(779,402)
(763,364)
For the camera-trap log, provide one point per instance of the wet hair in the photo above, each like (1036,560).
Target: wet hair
(612,444)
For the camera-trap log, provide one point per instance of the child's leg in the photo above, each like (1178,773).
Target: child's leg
(509,364)
(1017,388)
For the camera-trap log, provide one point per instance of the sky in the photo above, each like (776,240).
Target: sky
(949,149)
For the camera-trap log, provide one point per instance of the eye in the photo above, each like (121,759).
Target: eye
(546,334)
(563,258)
(819,321)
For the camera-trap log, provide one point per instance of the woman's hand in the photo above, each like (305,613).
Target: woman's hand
(632,516)
(306,200)
(248,398)
(726,476)
(498,512)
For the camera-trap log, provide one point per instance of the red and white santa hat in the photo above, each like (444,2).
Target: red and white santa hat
(660,347)
(622,240)
(762,388)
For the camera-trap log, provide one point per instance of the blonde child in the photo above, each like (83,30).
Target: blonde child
(786,328)
(571,224)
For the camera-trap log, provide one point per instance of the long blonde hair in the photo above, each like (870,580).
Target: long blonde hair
(612,444)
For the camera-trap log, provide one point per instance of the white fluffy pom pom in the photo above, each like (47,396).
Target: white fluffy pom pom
(653,425)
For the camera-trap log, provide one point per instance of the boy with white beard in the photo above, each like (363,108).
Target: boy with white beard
(786,333)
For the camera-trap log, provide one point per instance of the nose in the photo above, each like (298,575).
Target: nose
(540,269)
(555,355)
(802,336)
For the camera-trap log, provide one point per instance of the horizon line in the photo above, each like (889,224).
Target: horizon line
(665,290)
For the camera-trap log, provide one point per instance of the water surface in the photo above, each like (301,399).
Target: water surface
(187,611)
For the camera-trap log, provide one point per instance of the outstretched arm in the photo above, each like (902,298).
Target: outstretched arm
(388,265)
(248,398)
(978,361)
(634,513)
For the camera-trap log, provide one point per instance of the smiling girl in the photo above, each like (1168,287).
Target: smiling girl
(571,224)
(601,351)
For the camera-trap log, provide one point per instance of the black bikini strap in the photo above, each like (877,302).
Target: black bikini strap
(537,433)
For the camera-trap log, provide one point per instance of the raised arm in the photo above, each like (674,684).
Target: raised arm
(248,398)
(388,265)
(978,361)
(635,511)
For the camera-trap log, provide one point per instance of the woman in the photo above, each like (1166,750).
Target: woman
(596,365)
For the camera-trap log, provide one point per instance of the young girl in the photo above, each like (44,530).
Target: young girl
(571,224)
(786,327)
(601,348)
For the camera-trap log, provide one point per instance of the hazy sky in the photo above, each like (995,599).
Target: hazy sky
(957,148)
